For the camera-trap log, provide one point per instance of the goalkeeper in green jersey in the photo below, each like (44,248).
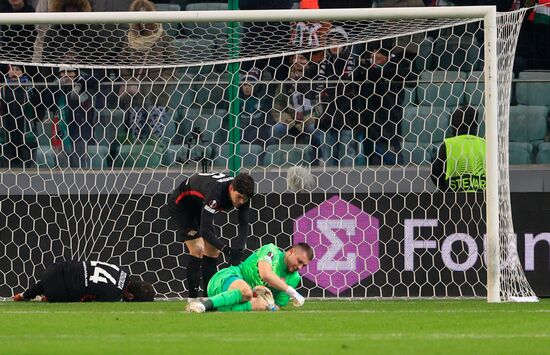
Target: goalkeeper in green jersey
(230,289)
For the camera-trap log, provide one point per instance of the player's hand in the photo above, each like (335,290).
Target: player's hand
(297,299)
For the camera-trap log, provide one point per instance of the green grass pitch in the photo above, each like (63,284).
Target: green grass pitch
(320,327)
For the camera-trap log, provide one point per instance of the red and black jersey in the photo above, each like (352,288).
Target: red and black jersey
(212,190)
(81,281)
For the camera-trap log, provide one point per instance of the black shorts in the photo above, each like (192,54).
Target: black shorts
(61,282)
(187,216)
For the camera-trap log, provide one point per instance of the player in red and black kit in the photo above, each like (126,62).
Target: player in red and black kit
(84,281)
(193,206)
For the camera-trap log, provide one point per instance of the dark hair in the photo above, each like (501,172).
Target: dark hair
(464,120)
(244,184)
(143,291)
(305,247)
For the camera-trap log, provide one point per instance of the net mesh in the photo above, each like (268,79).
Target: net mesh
(102,122)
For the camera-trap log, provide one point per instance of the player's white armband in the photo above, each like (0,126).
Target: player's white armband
(297,299)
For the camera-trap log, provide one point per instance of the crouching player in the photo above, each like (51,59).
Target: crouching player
(82,281)
(231,288)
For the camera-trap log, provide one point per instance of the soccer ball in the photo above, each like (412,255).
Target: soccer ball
(299,179)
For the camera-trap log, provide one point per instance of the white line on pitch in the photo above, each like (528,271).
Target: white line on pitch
(222,337)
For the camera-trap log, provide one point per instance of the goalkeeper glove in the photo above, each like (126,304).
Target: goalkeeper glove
(297,299)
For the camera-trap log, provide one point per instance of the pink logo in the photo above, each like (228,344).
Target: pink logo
(345,241)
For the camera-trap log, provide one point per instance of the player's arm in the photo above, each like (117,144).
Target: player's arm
(281,298)
(271,279)
(206,230)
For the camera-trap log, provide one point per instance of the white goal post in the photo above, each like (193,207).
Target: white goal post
(491,78)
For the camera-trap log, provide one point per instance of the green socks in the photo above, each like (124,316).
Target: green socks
(227,298)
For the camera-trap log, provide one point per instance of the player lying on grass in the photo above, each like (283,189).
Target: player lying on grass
(82,281)
(230,289)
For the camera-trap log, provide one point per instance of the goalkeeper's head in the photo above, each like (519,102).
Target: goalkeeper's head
(241,189)
(139,291)
(298,256)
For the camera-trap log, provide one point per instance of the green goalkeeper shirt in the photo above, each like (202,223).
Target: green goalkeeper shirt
(276,257)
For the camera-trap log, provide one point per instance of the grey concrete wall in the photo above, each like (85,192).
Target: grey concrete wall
(525,178)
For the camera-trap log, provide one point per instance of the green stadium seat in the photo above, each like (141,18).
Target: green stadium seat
(288,154)
(195,50)
(441,88)
(250,154)
(206,121)
(170,130)
(528,124)
(533,93)
(424,128)
(172,29)
(98,156)
(138,156)
(409,97)
(45,157)
(543,155)
(520,153)
(107,129)
(474,89)
(175,154)
(43,132)
(425,124)
(213,30)
(455,53)
(424,59)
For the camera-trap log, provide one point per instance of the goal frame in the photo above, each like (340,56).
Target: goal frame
(487,13)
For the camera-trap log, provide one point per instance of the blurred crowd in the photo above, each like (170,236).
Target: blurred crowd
(345,102)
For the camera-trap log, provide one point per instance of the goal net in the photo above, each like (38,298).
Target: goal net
(101,121)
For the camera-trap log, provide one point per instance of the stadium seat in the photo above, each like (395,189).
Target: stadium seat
(543,155)
(474,89)
(424,128)
(533,93)
(424,59)
(441,88)
(208,122)
(528,124)
(139,156)
(167,7)
(213,30)
(455,53)
(98,156)
(288,154)
(195,50)
(44,156)
(520,153)
(250,154)
(172,29)
(170,130)
(409,97)
(107,129)
(44,132)
(180,154)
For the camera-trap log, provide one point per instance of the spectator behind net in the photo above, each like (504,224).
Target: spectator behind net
(460,163)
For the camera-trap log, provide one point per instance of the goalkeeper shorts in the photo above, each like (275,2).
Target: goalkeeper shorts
(221,280)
